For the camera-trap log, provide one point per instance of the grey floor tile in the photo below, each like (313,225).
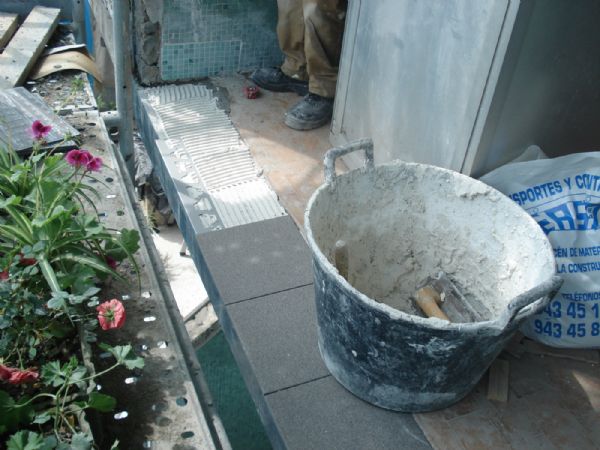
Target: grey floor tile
(323,415)
(256,259)
(278,334)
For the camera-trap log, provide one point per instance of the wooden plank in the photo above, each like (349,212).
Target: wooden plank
(26,45)
(8,26)
(498,381)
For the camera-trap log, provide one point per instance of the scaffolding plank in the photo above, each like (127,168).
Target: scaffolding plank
(8,26)
(26,45)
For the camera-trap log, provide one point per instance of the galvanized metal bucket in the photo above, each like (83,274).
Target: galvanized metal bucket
(401,223)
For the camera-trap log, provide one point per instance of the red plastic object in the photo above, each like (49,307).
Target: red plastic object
(251,92)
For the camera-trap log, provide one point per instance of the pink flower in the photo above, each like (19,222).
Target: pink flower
(17,376)
(4,275)
(79,158)
(94,164)
(111,314)
(39,130)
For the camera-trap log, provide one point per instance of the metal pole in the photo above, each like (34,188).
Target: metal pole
(123,79)
(78,13)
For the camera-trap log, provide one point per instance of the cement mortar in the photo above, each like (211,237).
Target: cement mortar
(405,222)
(147,18)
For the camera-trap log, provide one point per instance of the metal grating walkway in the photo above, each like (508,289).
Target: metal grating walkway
(205,157)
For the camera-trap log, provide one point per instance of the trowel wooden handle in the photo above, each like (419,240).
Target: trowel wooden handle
(428,300)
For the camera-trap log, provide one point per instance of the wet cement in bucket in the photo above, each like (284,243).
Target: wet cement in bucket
(405,222)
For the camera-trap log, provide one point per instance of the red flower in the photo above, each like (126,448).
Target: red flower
(111,314)
(94,164)
(27,261)
(79,158)
(4,275)
(39,130)
(4,373)
(17,376)
(111,262)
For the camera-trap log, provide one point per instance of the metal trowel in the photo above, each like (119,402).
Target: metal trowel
(439,297)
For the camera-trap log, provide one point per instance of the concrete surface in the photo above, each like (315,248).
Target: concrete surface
(185,281)
(292,160)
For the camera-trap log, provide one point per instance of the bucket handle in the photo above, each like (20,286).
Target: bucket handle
(336,152)
(532,301)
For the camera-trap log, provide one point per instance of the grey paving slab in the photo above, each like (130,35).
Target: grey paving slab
(256,259)
(323,415)
(279,336)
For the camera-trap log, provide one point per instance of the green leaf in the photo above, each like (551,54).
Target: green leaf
(38,247)
(81,441)
(136,362)
(16,234)
(10,415)
(53,374)
(26,440)
(124,355)
(49,275)
(88,261)
(20,219)
(79,280)
(37,158)
(59,330)
(52,190)
(12,200)
(126,244)
(50,442)
(79,374)
(39,221)
(130,240)
(58,300)
(42,418)
(102,402)
(90,292)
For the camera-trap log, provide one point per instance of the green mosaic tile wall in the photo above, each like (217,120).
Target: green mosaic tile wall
(209,37)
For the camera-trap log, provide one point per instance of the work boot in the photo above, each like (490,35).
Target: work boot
(274,79)
(313,111)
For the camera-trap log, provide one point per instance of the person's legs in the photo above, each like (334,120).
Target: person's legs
(292,76)
(290,32)
(323,30)
(310,36)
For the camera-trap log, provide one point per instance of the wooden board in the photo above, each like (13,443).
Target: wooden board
(554,403)
(26,45)
(8,25)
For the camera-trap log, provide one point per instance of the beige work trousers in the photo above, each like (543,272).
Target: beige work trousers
(310,36)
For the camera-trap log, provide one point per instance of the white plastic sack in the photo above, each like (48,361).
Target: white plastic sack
(563,196)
